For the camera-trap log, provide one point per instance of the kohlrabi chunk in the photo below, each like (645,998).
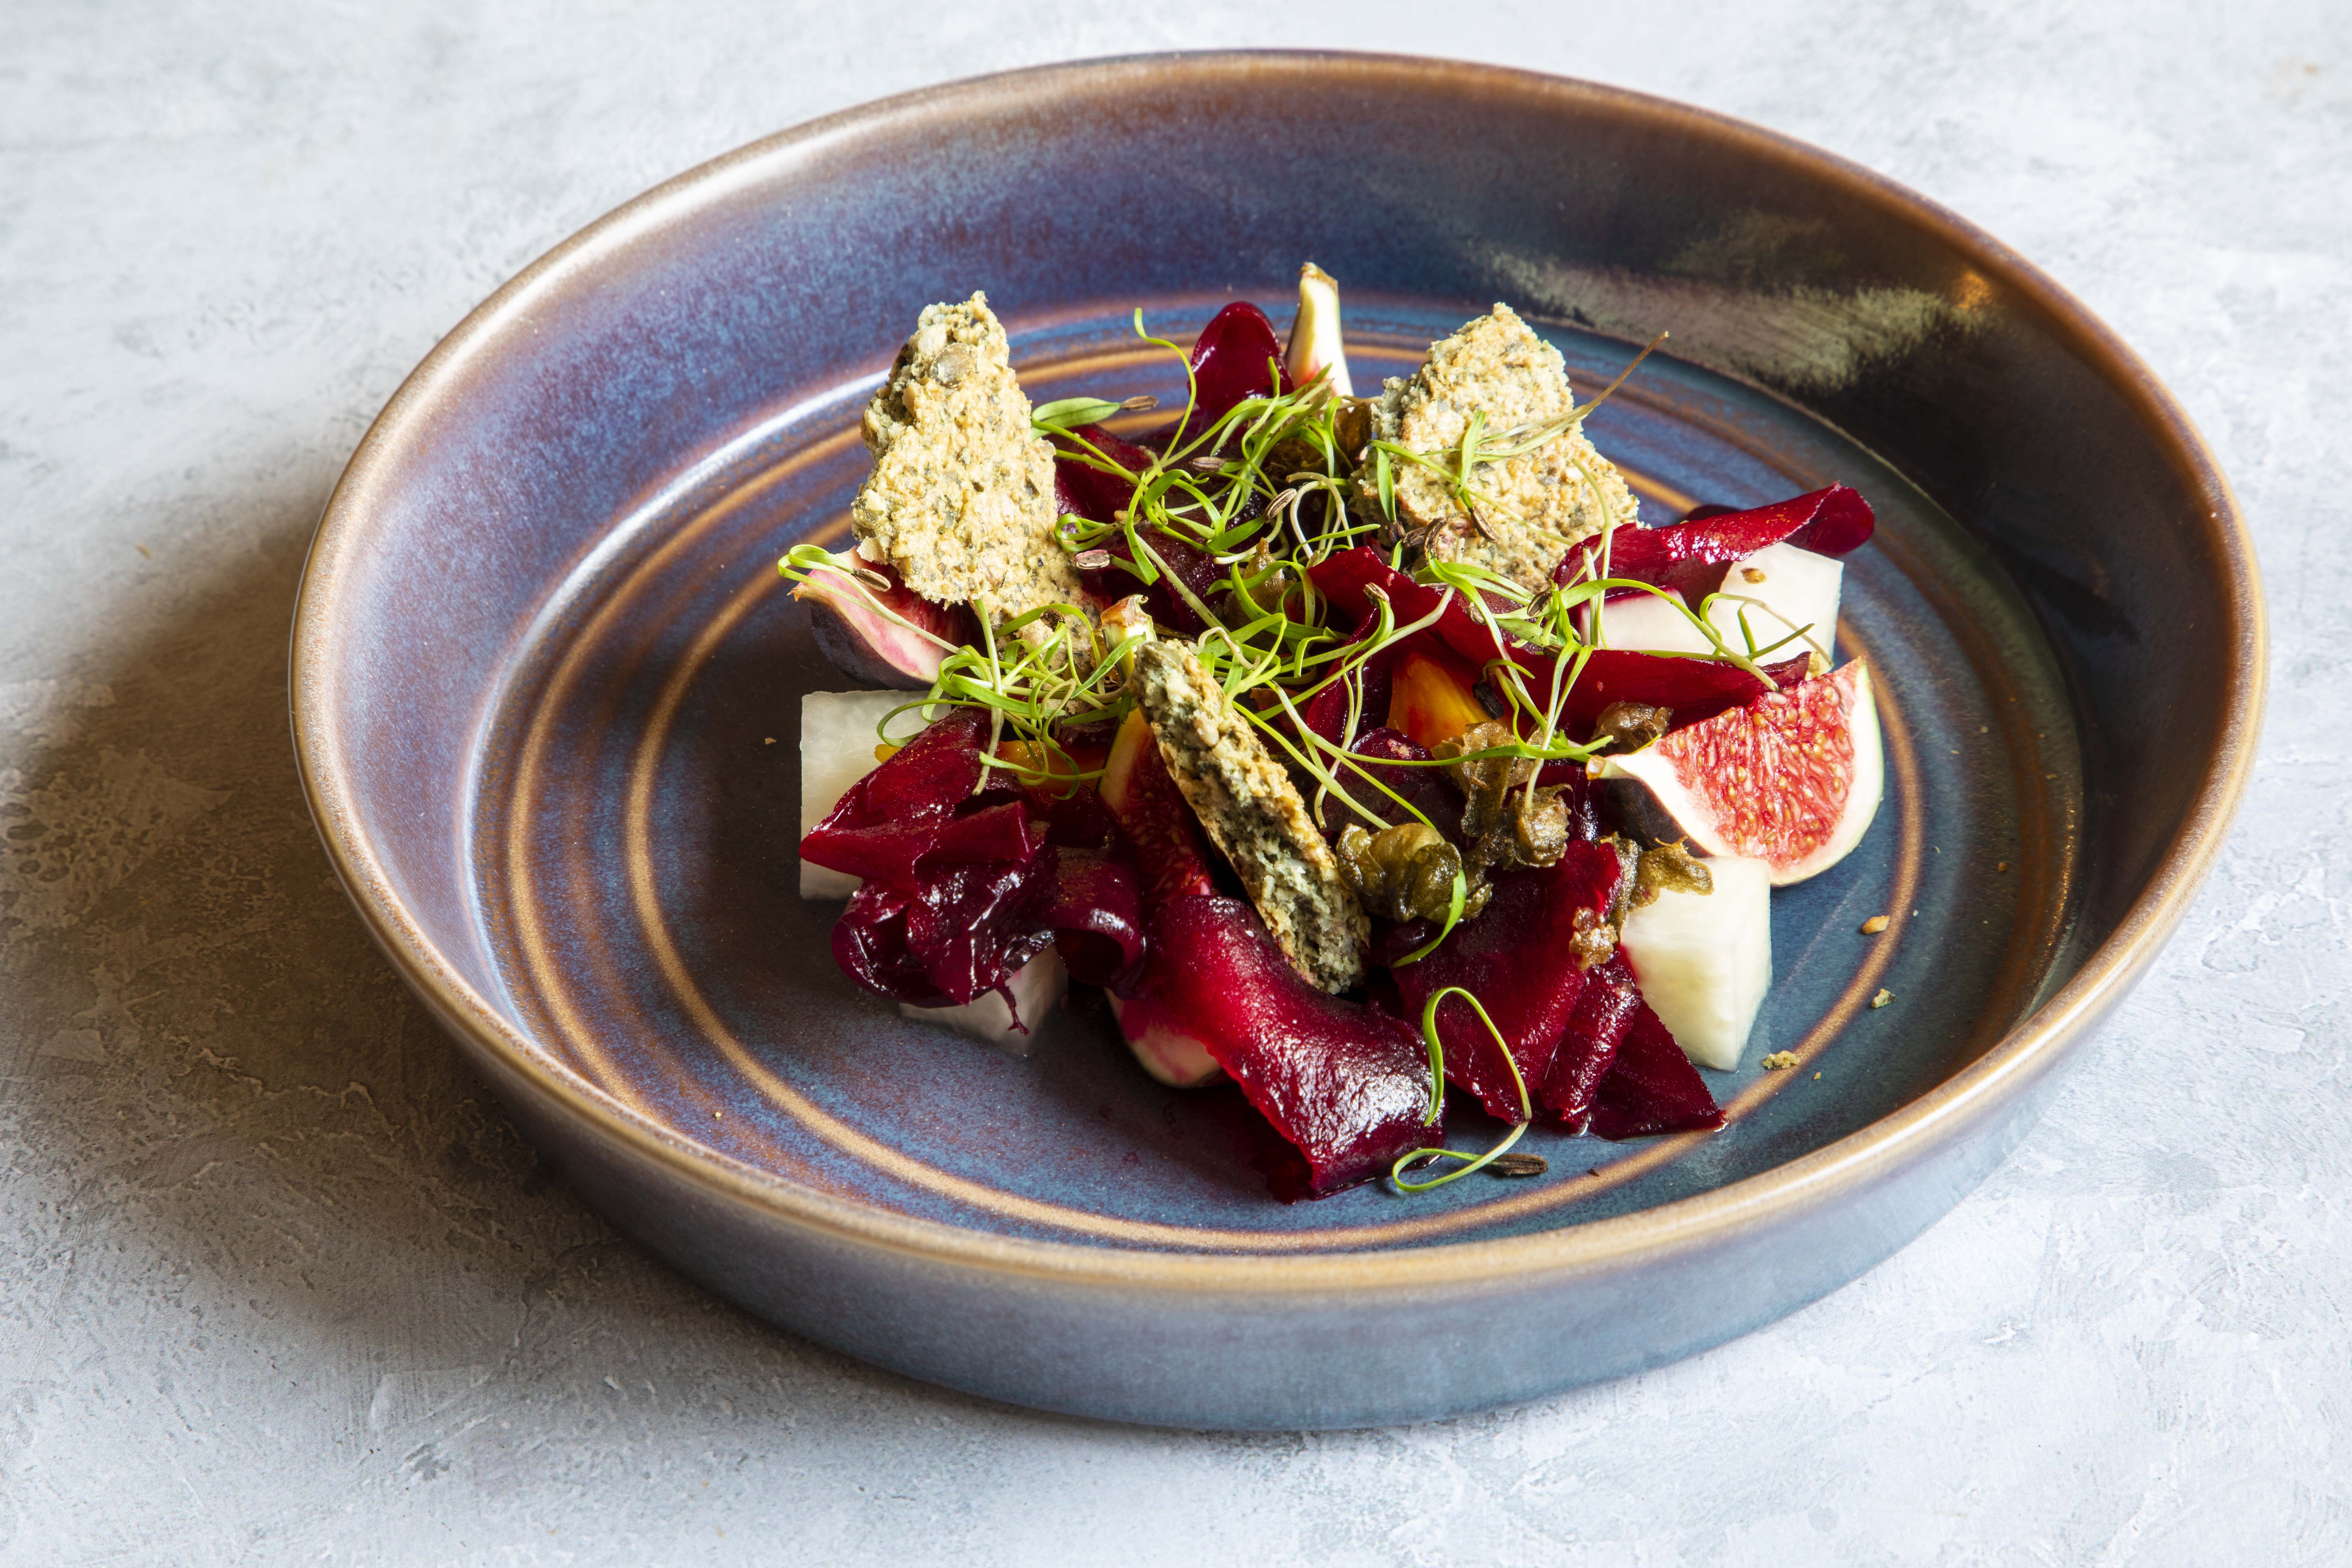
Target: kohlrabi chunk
(1780,588)
(1798,590)
(1650,623)
(1038,987)
(837,741)
(1704,960)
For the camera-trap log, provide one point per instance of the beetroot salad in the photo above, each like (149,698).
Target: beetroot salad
(1352,744)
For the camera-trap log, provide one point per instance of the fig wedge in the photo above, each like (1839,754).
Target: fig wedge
(1792,780)
(866,644)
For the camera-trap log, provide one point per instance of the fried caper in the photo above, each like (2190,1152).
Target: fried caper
(1630,726)
(1670,868)
(1401,873)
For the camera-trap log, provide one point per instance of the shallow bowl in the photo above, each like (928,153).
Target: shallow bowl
(545,688)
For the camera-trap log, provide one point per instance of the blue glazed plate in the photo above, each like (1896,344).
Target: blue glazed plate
(547,690)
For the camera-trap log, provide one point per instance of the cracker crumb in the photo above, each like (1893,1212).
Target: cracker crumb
(1882,999)
(1531,507)
(1873,925)
(1780,1061)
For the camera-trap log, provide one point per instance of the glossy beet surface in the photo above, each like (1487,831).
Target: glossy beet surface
(1690,556)
(1517,960)
(963,888)
(1345,1086)
(1694,689)
(1651,1087)
(541,650)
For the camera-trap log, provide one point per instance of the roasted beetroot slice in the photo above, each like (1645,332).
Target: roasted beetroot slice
(1097,918)
(1384,751)
(1691,555)
(1086,491)
(1696,688)
(890,817)
(1237,356)
(1596,1029)
(1325,712)
(1653,1087)
(1344,577)
(1345,1086)
(1195,568)
(869,943)
(1515,958)
(973,925)
(1098,497)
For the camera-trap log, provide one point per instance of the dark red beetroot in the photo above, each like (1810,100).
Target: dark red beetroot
(1587,1050)
(1096,910)
(1382,751)
(1237,356)
(1097,918)
(1653,1087)
(1325,712)
(1345,1086)
(963,888)
(1691,555)
(1516,959)
(890,819)
(1696,688)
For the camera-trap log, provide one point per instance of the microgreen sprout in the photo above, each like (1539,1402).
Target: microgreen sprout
(1267,490)
(1437,1099)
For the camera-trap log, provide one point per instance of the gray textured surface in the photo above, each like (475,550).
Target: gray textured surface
(277,1284)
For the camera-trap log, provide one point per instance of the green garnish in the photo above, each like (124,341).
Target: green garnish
(1268,491)
(1437,1099)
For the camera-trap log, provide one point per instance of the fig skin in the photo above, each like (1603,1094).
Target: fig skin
(869,649)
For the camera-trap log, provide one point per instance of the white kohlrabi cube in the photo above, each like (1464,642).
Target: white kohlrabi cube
(1792,588)
(1705,960)
(1652,623)
(837,741)
(1798,590)
(1038,987)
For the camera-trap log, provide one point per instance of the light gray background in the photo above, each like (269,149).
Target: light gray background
(278,1284)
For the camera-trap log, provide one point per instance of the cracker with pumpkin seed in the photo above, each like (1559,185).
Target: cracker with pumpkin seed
(961,501)
(1520,513)
(1255,814)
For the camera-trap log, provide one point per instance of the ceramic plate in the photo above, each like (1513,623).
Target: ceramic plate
(547,684)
